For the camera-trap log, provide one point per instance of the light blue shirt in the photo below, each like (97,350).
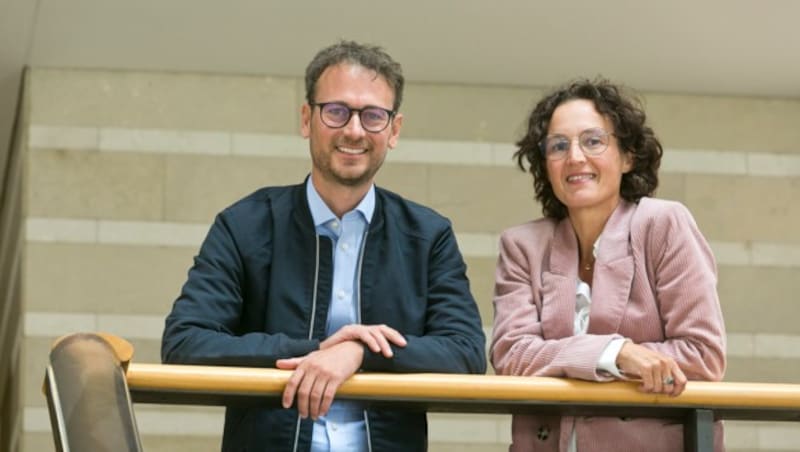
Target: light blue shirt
(344,427)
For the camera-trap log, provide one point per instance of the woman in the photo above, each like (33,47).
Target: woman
(611,284)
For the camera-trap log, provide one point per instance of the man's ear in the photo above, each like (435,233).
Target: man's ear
(305,120)
(396,125)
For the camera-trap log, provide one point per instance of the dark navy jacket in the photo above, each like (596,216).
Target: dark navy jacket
(260,288)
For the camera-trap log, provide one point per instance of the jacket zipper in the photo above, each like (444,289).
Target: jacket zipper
(358,319)
(310,327)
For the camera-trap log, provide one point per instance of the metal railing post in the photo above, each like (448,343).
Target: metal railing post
(88,397)
(698,431)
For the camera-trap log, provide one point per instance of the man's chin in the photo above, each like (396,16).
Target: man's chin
(353,180)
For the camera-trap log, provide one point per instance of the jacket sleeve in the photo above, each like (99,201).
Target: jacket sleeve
(519,346)
(684,279)
(453,341)
(206,323)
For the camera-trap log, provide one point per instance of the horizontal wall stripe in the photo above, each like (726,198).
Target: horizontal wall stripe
(443,152)
(775,254)
(141,233)
(773,164)
(732,253)
(444,427)
(704,162)
(763,345)
(262,145)
(469,428)
(150,420)
(150,233)
(77,138)
(478,245)
(56,324)
(784,436)
(473,153)
(150,327)
(164,141)
(144,233)
(66,230)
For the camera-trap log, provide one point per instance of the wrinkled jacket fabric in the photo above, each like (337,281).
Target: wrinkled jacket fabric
(260,288)
(654,282)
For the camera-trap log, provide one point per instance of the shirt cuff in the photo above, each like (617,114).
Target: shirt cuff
(608,359)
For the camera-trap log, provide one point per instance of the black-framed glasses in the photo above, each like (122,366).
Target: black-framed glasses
(336,115)
(591,142)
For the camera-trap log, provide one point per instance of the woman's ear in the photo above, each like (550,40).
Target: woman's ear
(627,162)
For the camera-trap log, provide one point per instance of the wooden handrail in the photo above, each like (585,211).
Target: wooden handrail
(698,406)
(505,393)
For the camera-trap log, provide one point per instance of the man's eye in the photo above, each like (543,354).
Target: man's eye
(337,112)
(375,116)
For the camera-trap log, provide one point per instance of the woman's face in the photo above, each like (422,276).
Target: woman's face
(581,181)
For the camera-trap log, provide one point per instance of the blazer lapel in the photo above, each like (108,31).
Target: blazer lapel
(613,272)
(559,283)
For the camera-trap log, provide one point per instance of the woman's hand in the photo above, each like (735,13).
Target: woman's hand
(659,373)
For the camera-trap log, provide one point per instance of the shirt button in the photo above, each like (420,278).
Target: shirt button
(334,224)
(341,294)
(345,247)
(333,426)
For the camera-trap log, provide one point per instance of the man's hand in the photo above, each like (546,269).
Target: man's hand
(318,375)
(659,373)
(375,337)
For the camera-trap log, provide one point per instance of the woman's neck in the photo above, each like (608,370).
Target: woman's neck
(588,224)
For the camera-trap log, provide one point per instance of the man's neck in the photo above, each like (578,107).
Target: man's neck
(340,198)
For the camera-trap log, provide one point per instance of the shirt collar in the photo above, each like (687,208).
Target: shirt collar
(322,214)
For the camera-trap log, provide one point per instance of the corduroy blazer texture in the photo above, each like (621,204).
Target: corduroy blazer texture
(654,282)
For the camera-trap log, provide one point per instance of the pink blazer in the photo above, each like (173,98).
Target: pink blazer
(654,282)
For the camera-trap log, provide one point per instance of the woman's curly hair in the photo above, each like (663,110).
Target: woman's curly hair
(634,137)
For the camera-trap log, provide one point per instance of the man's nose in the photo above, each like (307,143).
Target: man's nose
(353,126)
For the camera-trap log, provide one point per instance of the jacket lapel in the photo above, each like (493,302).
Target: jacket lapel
(613,277)
(559,283)
(613,272)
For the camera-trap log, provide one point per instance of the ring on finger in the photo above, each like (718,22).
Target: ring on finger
(668,380)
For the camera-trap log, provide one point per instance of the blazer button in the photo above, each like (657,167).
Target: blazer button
(543,433)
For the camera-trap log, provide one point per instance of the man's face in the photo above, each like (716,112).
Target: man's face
(348,156)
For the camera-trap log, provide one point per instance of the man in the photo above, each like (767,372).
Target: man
(331,277)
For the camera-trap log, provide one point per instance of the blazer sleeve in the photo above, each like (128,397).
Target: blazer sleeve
(684,279)
(206,324)
(453,339)
(519,346)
